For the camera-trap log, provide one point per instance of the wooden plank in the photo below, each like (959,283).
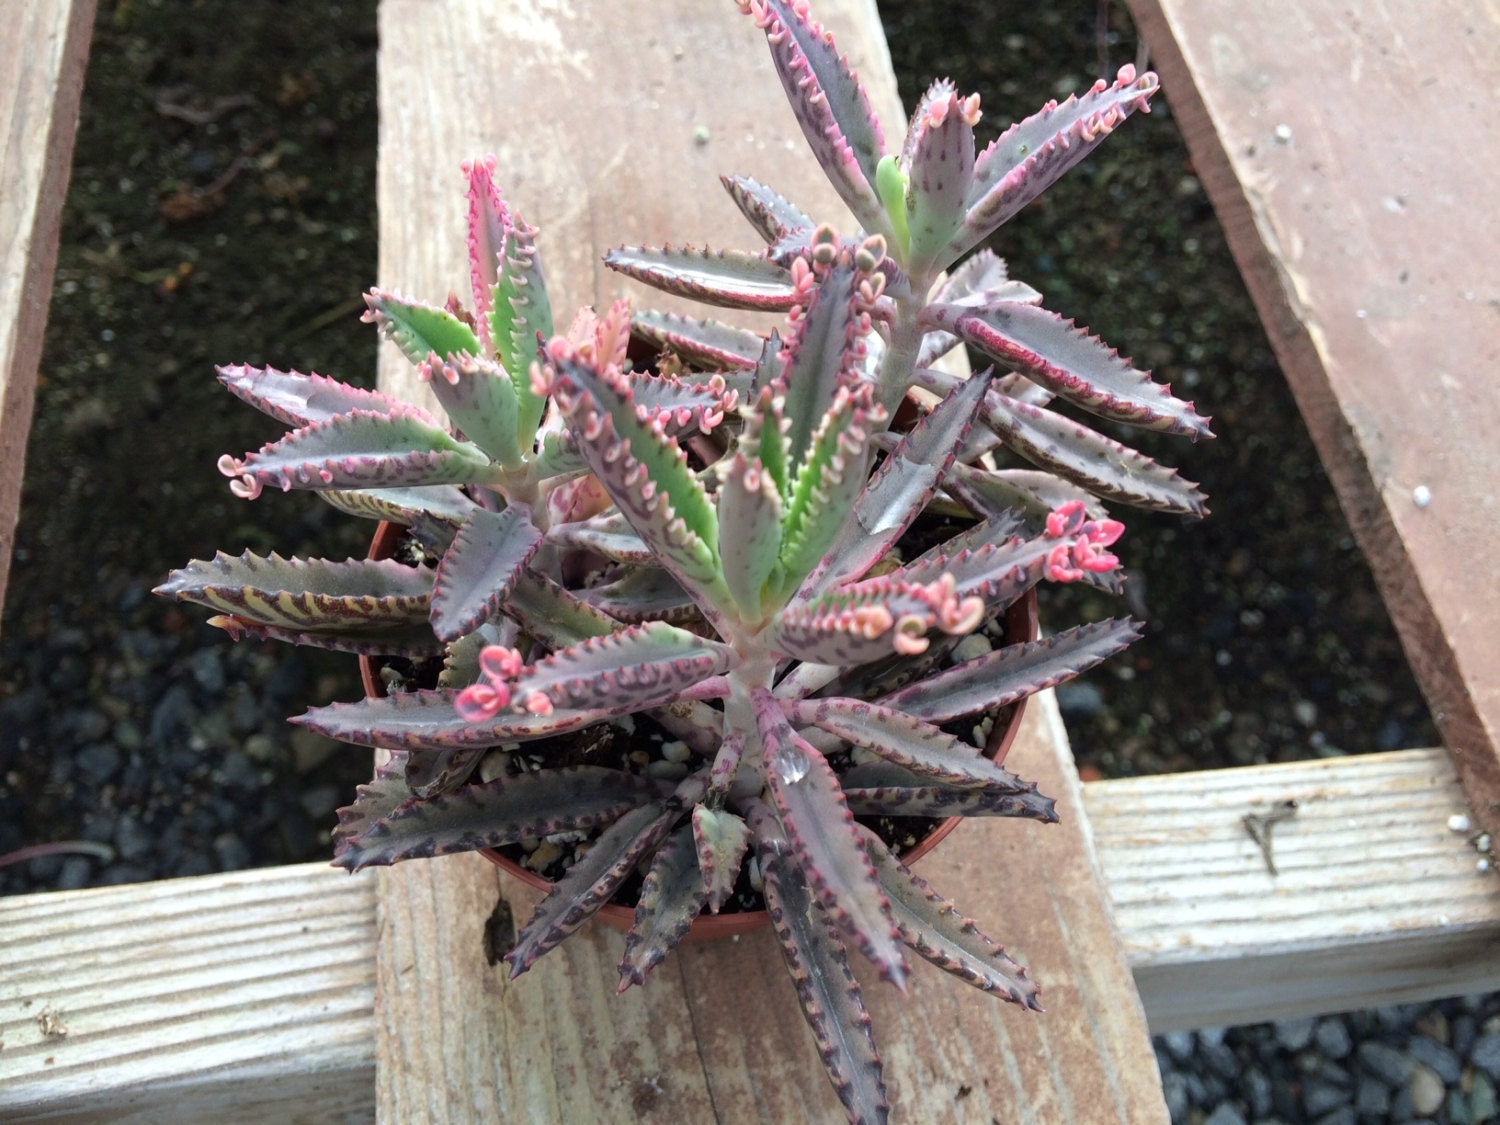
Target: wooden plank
(43,49)
(716,1034)
(596,118)
(1351,154)
(225,998)
(1384,909)
(1376,898)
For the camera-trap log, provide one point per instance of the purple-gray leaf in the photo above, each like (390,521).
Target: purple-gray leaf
(590,882)
(826,989)
(1002,677)
(932,925)
(479,570)
(1089,459)
(504,811)
(671,897)
(728,278)
(1069,362)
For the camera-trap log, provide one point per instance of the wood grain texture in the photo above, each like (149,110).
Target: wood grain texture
(44,46)
(596,117)
(225,998)
(1375,900)
(1352,155)
(249,997)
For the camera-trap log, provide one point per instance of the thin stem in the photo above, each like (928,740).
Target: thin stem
(102,852)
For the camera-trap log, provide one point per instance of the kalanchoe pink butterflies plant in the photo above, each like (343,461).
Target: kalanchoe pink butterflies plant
(724,547)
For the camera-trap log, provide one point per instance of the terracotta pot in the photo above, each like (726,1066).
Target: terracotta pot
(1020,622)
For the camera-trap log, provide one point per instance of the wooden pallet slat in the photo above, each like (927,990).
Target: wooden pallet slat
(1351,156)
(43,49)
(597,127)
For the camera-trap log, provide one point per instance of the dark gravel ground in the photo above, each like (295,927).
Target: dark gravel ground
(222,210)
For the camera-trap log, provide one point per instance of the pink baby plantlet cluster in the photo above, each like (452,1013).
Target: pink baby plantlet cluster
(789,553)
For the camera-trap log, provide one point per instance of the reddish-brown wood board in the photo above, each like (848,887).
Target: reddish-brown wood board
(612,124)
(1351,152)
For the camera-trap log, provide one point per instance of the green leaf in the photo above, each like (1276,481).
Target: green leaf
(644,472)
(419,329)
(750,533)
(481,401)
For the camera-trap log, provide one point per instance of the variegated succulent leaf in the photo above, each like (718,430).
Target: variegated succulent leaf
(430,720)
(300,400)
(503,811)
(479,570)
(940,801)
(826,849)
(609,535)
(750,523)
(490,224)
(705,343)
(589,883)
(1089,459)
(730,279)
(481,401)
(306,595)
(903,486)
(776,218)
(832,474)
(826,988)
(938,164)
(644,593)
(461,658)
(1066,360)
(932,925)
(360,449)
(419,329)
(634,669)
(553,615)
(916,746)
(836,288)
(644,472)
(441,771)
(829,102)
(1005,675)
(412,640)
(374,800)
(872,618)
(1028,494)
(682,405)
(720,839)
(671,897)
(443,502)
(1029,157)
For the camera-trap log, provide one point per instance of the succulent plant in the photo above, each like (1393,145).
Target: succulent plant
(725,547)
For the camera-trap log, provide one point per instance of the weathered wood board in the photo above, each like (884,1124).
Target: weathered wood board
(250,997)
(43,48)
(598,119)
(1375,898)
(223,998)
(1352,155)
